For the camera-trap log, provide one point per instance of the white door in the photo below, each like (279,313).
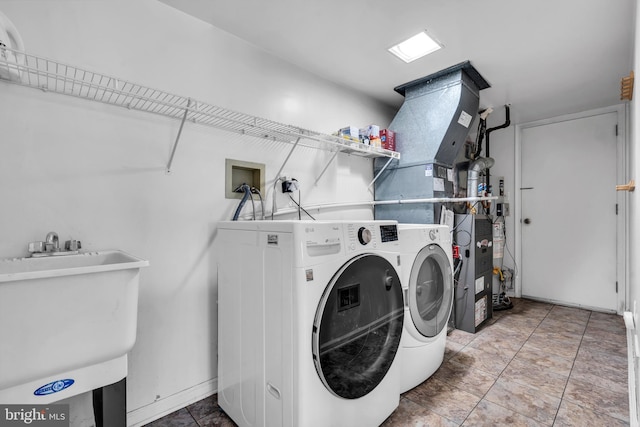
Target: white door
(568,211)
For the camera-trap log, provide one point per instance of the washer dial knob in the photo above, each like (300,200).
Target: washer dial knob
(364,235)
(433,234)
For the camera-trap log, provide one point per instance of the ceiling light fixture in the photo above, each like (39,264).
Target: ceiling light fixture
(415,47)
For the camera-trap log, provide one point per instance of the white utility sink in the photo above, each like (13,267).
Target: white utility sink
(66,323)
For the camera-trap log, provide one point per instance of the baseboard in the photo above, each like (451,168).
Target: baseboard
(160,408)
(569,304)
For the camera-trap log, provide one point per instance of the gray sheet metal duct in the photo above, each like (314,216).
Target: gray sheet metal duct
(473,174)
(431,128)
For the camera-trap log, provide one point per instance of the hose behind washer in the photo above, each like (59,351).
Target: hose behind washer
(245,197)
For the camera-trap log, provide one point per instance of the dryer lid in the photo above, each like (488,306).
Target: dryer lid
(358,325)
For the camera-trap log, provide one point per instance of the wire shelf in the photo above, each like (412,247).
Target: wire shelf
(29,70)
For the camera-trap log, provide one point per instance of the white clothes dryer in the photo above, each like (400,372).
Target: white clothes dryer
(310,319)
(427,280)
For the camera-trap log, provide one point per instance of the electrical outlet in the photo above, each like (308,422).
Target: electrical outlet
(290,186)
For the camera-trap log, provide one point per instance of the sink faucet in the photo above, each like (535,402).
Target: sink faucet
(51,246)
(51,242)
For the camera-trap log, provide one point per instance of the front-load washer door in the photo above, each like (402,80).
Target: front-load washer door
(430,293)
(358,325)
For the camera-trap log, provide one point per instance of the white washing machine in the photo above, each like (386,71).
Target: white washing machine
(427,280)
(310,319)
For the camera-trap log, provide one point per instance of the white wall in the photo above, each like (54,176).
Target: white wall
(634,197)
(95,172)
(634,203)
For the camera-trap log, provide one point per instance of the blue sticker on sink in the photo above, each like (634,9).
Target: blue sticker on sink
(54,387)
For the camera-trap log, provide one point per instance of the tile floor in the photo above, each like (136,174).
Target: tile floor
(537,364)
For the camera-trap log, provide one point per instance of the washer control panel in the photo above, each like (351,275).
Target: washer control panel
(370,235)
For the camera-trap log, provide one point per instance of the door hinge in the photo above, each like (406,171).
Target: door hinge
(616,130)
(616,209)
(616,287)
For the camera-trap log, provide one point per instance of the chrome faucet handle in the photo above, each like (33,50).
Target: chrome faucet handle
(72,245)
(36,247)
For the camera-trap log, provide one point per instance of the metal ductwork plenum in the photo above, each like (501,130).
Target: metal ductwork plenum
(431,129)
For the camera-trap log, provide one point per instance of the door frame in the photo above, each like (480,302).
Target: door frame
(622,197)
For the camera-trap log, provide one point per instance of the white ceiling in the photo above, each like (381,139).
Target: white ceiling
(545,58)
